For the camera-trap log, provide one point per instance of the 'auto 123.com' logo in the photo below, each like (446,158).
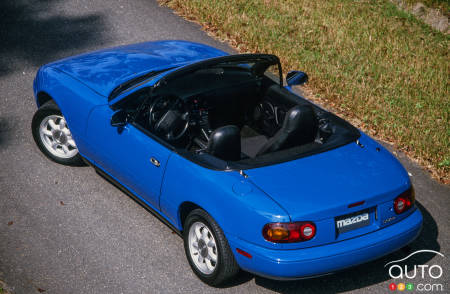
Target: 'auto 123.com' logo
(429,274)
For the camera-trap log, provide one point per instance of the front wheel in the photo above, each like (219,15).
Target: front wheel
(207,249)
(53,137)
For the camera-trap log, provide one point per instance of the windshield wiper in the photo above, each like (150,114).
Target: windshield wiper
(134,83)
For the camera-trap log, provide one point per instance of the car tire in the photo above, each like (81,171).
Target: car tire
(49,129)
(213,273)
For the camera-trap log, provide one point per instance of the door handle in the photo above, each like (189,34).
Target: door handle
(155,162)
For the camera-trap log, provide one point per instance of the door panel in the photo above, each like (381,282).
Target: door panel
(126,153)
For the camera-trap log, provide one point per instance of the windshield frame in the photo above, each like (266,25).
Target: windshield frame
(135,82)
(209,63)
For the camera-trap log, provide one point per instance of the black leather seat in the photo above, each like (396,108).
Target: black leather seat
(225,143)
(299,127)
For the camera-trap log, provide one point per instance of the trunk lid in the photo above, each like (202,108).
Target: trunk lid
(321,187)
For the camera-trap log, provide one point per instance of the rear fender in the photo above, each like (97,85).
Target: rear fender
(238,206)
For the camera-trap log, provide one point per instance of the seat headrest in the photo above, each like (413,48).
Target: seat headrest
(225,143)
(300,120)
(295,116)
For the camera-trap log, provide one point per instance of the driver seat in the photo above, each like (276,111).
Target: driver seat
(225,143)
(299,127)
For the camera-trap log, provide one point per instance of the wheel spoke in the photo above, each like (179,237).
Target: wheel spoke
(54,145)
(65,148)
(209,265)
(195,245)
(212,255)
(66,132)
(200,258)
(52,124)
(47,133)
(205,234)
(198,234)
(62,124)
(71,142)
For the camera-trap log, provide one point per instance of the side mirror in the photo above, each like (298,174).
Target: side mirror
(119,118)
(296,78)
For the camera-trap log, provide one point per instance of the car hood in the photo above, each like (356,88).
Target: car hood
(104,70)
(322,186)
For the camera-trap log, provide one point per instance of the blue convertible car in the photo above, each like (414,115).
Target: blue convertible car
(251,175)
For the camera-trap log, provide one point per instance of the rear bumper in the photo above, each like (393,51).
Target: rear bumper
(320,260)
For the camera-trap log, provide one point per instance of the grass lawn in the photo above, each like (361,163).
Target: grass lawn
(369,60)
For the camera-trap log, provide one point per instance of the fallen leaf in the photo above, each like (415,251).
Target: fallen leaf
(62,203)
(10,223)
(40,290)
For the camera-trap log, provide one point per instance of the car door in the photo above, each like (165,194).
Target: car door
(127,153)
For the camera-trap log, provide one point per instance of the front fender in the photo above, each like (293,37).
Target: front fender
(239,207)
(74,99)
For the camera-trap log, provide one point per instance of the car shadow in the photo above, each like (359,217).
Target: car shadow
(33,33)
(360,276)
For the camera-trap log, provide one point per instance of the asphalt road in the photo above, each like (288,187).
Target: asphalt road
(66,230)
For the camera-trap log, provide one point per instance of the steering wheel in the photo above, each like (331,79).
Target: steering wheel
(169,117)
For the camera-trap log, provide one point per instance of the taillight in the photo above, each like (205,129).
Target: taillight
(404,201)
(289,232)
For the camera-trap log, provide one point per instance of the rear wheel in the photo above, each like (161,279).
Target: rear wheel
(53,137)
(207,249)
